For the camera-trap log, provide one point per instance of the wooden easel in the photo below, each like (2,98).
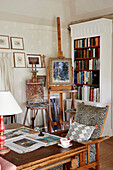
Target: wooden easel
(34,102)
(59,89)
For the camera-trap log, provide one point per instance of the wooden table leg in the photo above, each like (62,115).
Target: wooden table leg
(82,158)
(74,163)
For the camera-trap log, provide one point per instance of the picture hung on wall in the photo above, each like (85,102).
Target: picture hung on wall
(4,42)
(17,43)
(60,71)
(19,59)
(33,59)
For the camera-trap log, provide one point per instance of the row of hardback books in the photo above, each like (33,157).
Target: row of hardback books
(86,77)
(92,64)
(87,42)
(88,93)
(87,53)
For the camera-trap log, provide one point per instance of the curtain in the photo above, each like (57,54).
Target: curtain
(6,71)
(6,74)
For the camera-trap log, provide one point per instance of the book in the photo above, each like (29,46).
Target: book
(75,77)
(95,77)
(90,64)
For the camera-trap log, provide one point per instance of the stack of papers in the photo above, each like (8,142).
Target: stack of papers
(23,140)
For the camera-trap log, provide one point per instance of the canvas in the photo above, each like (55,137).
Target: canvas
(60,71)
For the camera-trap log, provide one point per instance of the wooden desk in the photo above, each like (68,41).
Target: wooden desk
(46,157)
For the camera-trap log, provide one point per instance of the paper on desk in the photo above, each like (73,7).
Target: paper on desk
(23,144)
(21,141)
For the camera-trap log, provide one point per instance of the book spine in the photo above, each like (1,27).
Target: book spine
(90,64)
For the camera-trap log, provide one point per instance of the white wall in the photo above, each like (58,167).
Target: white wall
(37,40)
(35,21)
(42,12)
(84,9)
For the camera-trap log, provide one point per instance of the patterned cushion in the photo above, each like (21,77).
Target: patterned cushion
(79,132)
(91,116)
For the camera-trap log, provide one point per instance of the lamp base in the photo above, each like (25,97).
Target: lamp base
(4,150)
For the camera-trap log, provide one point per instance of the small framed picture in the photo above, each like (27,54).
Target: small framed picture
(19,59)
(41,79)
(17,43)
(4,42)
(33,60)
(60,71)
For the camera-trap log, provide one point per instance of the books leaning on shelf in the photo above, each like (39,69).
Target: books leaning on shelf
(92,64)
(87,42)
(88,93)
(87,53)
(86,77)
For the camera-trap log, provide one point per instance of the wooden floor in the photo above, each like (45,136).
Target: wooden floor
(106,155)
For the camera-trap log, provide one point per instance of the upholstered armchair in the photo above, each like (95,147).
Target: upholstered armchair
(91,118)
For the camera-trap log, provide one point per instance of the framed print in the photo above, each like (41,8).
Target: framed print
(60,71)
(17,43)
(33,59)
(41,79)
(4,42)
(19,59)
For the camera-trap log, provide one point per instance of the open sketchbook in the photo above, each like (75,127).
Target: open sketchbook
(24,140)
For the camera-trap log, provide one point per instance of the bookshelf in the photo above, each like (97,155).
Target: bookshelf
(87,68)
(91,51)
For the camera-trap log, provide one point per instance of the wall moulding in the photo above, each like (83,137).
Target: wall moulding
(107,16)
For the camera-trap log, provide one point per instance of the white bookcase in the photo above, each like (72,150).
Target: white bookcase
(98,28)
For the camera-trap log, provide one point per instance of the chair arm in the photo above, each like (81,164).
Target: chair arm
(94,141)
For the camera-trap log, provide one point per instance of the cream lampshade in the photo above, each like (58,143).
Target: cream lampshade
(8,106)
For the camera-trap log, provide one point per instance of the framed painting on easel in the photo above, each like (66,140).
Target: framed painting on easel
(60,71)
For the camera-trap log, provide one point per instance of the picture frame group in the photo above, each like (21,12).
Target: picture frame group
(17,43)
(60,71)
(21,60)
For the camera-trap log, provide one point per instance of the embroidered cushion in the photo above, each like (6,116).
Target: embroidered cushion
(79,132)
(91,116)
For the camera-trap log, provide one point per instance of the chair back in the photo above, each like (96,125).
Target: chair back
(91,116)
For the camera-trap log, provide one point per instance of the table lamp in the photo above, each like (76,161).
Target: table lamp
(8,106)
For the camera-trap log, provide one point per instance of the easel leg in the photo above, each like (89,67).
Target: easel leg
(61,110)
(25,116)
(43,117)
(49,112)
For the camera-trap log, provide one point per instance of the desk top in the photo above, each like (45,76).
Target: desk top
(42,154)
